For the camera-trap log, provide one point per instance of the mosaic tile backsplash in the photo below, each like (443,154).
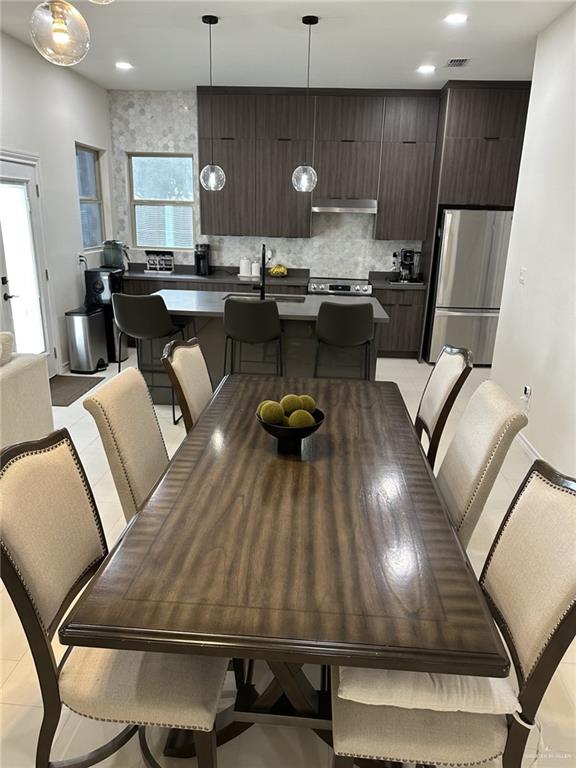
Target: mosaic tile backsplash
(166,121)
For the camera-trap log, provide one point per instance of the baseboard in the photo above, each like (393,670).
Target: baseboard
(528,448)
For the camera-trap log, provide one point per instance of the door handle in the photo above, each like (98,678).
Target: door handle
(8,296)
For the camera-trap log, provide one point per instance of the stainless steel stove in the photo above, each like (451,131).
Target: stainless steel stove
(339,286)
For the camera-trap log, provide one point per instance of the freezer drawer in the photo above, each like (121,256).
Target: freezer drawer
(474,330)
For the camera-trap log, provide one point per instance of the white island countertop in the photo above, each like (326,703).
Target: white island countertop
(211,304)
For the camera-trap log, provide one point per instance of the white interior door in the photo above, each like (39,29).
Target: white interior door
(24,292)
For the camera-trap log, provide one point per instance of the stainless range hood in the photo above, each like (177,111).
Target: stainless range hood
(335,205)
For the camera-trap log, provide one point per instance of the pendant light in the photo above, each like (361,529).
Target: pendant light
(60,33)
(212,177)
(305,178)
(101,2)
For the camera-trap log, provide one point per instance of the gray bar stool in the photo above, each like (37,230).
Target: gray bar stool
(346,326)
(247,321)
(145,318)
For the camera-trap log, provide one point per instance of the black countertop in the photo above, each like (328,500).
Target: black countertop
(295,277)
(389,281)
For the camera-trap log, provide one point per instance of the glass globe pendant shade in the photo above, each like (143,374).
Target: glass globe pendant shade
(212,178)
(304,178)
(60,33)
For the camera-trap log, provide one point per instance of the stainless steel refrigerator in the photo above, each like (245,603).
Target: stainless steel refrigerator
(470,275)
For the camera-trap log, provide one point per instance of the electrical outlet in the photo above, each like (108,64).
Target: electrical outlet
(526,395)
(522,278)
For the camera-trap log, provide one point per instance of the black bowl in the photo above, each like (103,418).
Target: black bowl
(290,438)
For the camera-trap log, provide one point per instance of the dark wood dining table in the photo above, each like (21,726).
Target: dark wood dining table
(342,555)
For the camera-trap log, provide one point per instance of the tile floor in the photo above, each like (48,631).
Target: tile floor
(259,747)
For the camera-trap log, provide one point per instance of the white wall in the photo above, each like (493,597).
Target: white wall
(45,110)
(536,342)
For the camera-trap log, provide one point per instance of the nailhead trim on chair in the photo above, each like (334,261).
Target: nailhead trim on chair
(486,568)
(501,437)
(411,759)
(94,513)
(136,722)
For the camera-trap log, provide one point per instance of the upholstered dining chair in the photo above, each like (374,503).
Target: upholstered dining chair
(188,372)
(52,543)
(476,453)
(452,368)
(123,411)
(529,581)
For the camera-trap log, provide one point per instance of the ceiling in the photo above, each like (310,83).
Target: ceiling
(356,44)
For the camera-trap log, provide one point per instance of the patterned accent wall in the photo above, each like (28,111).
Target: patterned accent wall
(166,121)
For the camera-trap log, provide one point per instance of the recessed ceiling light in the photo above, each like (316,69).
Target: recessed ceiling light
(456,18)
(426,69)
(124,65)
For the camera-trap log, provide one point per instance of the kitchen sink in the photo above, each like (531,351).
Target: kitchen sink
(273,296)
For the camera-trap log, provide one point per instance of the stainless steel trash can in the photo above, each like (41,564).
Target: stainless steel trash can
(86,339)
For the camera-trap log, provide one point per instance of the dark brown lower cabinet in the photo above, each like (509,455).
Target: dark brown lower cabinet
(480,171)
(404,193)
(347,169)
(281,211)
(231,210)
(401,336)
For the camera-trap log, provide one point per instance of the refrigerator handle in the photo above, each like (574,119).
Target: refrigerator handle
(444,240)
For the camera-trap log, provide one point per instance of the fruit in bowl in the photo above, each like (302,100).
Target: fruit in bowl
(290,420)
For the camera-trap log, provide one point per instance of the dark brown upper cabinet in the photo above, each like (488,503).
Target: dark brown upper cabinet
(342,117)
(347,169)
(230,211)
(233,115)
(487,113)
(280,210)
(284,116)
(405,181)
(411,118)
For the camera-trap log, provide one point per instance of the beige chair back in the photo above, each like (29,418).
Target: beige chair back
(484,434)
(451,370)
(530,573)
(188,372)
(51,532)
(123,411)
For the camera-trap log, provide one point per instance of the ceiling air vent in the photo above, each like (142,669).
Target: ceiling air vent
(457,62)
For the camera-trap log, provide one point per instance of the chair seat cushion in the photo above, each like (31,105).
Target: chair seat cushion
(421,690)
(163,689)
(417,735)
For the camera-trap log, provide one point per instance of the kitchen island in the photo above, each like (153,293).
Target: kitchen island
(203,312)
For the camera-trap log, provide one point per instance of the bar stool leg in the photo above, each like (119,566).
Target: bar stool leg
(316,357)
(280,358)
(120,334)
(225,355)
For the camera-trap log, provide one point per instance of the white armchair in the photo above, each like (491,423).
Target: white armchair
(25,402)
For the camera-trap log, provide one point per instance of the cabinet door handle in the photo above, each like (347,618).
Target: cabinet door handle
(348,141)
(491,138)
(226,138)
(282,138)
(408,142)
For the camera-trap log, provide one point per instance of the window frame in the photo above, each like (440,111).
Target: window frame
(99,199)
(181,203)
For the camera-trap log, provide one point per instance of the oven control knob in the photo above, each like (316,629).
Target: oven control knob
(322,286)
(357,288)
(365,289)
(313,287)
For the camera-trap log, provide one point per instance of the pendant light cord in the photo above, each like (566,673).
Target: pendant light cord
(308,84)
(211,99)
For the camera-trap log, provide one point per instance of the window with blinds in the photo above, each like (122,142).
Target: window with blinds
(90,192)
(162,194)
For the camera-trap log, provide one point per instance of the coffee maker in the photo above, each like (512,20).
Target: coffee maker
(409,266)
(202,259)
